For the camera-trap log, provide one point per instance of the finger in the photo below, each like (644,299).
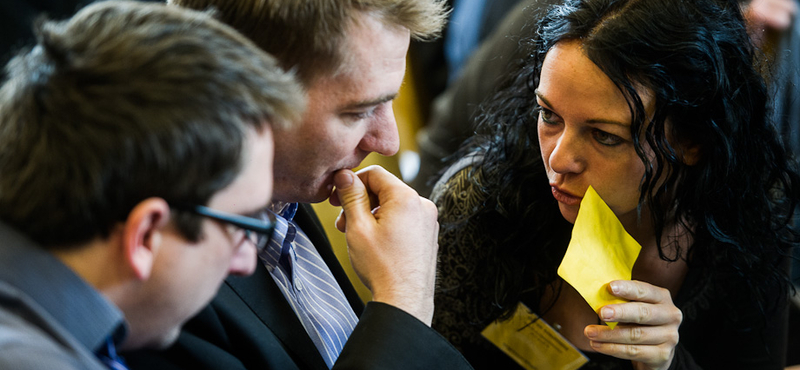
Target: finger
(341,222)
(632,334)
(353,197)
(641,313)
(633,290)
(334,198)
(381,184)
(648,354)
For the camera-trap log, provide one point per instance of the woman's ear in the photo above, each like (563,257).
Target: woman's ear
(142,235)
(690,154)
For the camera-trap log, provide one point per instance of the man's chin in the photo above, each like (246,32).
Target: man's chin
(320,197)
(316,194)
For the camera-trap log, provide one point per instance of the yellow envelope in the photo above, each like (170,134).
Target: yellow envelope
(600,251)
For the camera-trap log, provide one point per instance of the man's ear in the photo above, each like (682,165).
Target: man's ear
(142,235)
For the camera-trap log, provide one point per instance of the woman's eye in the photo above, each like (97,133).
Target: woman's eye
(605,138)
(547,115)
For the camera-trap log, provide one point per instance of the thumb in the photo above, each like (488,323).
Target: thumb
(352,196)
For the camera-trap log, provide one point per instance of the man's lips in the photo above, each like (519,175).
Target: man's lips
(564,197)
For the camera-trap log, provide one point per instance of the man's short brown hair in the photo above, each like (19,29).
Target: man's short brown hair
(126,101)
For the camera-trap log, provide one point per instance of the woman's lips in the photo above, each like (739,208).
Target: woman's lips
(564,197)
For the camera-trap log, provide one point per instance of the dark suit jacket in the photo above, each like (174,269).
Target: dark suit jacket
(249,325)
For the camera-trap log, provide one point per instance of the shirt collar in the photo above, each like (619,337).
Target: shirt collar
(285,210)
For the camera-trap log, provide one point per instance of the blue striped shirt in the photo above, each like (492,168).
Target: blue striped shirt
(308,285)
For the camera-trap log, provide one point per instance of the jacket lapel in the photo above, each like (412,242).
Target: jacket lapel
(260,293)
(266,300)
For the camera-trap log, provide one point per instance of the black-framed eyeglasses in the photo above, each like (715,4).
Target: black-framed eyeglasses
(258,231)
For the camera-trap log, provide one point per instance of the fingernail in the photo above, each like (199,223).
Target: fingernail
(614,287)
(591,332)
(343,179)
(606,313)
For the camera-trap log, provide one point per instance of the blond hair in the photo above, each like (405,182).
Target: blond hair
(308,35)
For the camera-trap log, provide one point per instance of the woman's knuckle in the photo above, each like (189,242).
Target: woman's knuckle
(636,334)
(644,314)
(632,350)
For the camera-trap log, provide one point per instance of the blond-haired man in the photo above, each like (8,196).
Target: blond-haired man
(299,311)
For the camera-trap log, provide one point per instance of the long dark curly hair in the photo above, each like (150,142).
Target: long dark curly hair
(737,199)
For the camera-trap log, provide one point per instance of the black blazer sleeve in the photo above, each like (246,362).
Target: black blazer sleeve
(389,338)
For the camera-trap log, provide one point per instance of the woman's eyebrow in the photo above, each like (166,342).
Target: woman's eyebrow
(591,120)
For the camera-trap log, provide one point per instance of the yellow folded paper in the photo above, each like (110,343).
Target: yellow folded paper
(600,251)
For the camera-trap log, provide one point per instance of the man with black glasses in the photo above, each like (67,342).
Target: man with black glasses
(136,145)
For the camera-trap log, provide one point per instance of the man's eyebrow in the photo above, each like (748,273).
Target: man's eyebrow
(370,103)
(590,121)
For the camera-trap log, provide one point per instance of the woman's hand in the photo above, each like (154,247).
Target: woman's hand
(648,326)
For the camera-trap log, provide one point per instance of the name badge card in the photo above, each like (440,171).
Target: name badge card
(533,343)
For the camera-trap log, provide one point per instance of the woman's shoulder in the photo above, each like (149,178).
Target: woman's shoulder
(458,190)
(454,176)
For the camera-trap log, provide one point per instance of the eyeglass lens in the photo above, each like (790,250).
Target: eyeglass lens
(259,240)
